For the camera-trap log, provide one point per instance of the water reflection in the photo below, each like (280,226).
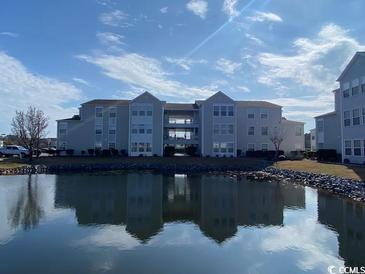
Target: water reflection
(347,218)
(144,202)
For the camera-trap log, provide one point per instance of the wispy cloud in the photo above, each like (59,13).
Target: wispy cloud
(115,18)
(198,7)
(185,64)
(81,81)
(142,72)
(229,8)
(164,9)
(227,66)
(9,34)
(260,16)
(110,39)
(243,89)
(21,88)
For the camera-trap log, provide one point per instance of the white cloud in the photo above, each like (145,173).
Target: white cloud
(198,7)
(146,73)
(115,18)
(229,8)
(265,16)
(110,39)
(316,63)
(228,67)
(254,39)
(81,81)
(164,10)
(19,88)
(10,34)
(243,89)
(185,64)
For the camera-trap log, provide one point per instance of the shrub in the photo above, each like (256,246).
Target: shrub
(106,152)
(155,155)
(346,161)
(123,152)
(114,152)
(310,154)
(268,154)
(169,151)
(70,152)
(82,152)
(98,152)
(191,150)
(91,151)
(327,155)
(296,155)
(239,152)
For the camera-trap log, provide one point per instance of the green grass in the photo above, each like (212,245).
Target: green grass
(340,170)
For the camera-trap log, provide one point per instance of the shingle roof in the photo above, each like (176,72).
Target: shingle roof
(74,118)
(257,104)
(108,102)
(177,106)
(326,114)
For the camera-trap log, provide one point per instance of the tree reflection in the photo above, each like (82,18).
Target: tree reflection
(26,211)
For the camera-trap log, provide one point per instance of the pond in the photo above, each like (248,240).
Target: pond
(145,222)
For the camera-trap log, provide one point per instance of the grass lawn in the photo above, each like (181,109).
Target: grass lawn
(345,171)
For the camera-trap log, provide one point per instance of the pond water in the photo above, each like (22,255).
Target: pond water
(152,223)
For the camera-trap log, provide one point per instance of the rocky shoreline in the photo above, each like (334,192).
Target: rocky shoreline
(348,188)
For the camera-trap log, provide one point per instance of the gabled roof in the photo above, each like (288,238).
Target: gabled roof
(257,104)
(148,94)
(326,114)
(219,93)
(349,65)
(107,102)
(284,120)
(177,106)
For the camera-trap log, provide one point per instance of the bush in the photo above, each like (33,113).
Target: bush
(70,152)
(91,151)
(82,152)
(98,152)
(327,155)
(239,152)
(123,152)
(191,150)
(169,151)
(296,155)
(268,154)
(310,154)
(346,161)
(114,152)
(106,152)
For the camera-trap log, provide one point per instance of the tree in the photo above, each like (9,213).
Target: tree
(29,127)
(277,137)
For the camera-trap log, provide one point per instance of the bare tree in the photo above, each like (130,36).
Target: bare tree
(29,127)
(277,137)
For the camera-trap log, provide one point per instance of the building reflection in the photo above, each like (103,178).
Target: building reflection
(347,218)
(144,202)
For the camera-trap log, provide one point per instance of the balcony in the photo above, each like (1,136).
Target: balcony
(180,123)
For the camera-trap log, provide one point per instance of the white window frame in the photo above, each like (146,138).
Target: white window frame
(346,142)
(358,117)
(267,131)
(249,148)
(355,148)
(248,131)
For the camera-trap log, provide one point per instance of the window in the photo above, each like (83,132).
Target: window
(62,146)
(112,146)
(364,147)
(230,147)
(134,112)
(148,147)
(298,131)
(348,148)
(134,147)
(357,147)
(223,129)
(62,129)
(346,118)
(216,129)
(223,147)
(355,91)
(230,129)
(112,131)
(251,131)
(142,113)
(141,130)
(250,147)
(264,114)
(264,131)
(230,111)
(320,125)
(363,88)
(264,147)
(363,116)
(216,147)
(112,114)
(98,131)
(250,114)
(356,117)
(134,131)
(223,110)
(346,93)
(149,131)
(99,112)
(216,110)
(149,112)
(140,147)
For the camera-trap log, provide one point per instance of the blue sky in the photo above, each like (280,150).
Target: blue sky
(58,54)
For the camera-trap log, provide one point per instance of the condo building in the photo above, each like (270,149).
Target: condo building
(146,126)
(344,128)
